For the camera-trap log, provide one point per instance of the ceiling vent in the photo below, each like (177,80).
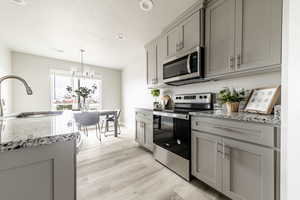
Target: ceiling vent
(19,2)
(146,5)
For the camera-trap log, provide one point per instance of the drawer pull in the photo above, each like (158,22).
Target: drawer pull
(228,129)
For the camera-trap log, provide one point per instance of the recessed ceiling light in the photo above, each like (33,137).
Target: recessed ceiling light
(120,36)
(19,2)
(146,5)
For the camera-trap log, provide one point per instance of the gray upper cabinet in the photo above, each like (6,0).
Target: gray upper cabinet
(219,51)
(206,164)
(189,33)
(242,36)
(183,36)
(258,42)
(159,62)
(171,42)
(151,53)
(154,53)
(248,171)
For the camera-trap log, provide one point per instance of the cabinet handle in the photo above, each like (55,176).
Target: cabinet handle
(231,63)
(182,45)
(239,60)
(223,150)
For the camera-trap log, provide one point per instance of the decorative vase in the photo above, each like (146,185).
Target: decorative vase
(232,106)
(83,106)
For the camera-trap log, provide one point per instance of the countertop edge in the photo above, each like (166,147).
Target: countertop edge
(36,142)
(144,109)
(252,119)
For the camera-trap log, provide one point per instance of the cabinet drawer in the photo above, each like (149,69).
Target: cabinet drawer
(249,132)
(143,115)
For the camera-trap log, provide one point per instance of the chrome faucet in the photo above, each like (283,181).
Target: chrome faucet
(28,89)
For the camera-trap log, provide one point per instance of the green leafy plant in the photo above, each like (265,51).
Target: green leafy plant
(155,92)
(83,92)
(233,95)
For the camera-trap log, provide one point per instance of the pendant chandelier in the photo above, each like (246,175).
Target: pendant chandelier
(82,72)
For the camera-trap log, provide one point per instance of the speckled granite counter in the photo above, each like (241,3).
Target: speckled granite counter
(144,109)
(19,133)
(240,116)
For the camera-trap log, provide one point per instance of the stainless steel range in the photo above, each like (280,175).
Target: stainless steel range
(172,131)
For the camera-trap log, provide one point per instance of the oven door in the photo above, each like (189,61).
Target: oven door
(186,67)
(172,132)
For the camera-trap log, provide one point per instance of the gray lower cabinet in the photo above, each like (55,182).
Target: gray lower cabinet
(206,159)
(238,168)
(47,172)
(144,129)
(248,171)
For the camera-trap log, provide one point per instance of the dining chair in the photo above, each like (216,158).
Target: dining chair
(86,119)
(105,123)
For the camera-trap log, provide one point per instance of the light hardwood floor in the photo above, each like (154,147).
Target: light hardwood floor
(117,169)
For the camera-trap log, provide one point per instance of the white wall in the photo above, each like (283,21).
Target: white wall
(290,162)
(136,94)
(5,69)
(36,71)
(134,90)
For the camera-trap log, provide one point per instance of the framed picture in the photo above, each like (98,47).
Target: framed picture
(262,100)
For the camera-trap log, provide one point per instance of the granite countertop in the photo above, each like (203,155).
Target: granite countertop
(144,109)
(21,133)
(240,116)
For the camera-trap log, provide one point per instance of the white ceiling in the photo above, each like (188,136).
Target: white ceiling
(44,25)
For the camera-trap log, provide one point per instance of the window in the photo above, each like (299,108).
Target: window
(60,97)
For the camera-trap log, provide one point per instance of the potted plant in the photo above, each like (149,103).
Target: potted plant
(231,98)
(82,92)
(155,93)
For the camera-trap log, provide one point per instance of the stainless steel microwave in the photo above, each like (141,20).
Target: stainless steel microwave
(185,69)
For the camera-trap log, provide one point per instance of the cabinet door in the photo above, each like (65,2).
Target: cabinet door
(258,37)
(151,51)
(160,60)
(190,33)
(139,132)
(220,31)
(148,136)
(207,159)
(248,171)
(171,42)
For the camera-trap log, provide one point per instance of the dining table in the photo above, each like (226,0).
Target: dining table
(107,113)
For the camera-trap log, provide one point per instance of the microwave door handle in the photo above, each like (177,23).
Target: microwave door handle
(188,65)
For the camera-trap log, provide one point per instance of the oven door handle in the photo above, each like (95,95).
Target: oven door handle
(188,64)
(172,115)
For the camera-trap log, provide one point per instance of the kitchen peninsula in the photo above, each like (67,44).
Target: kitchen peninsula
(38,157)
